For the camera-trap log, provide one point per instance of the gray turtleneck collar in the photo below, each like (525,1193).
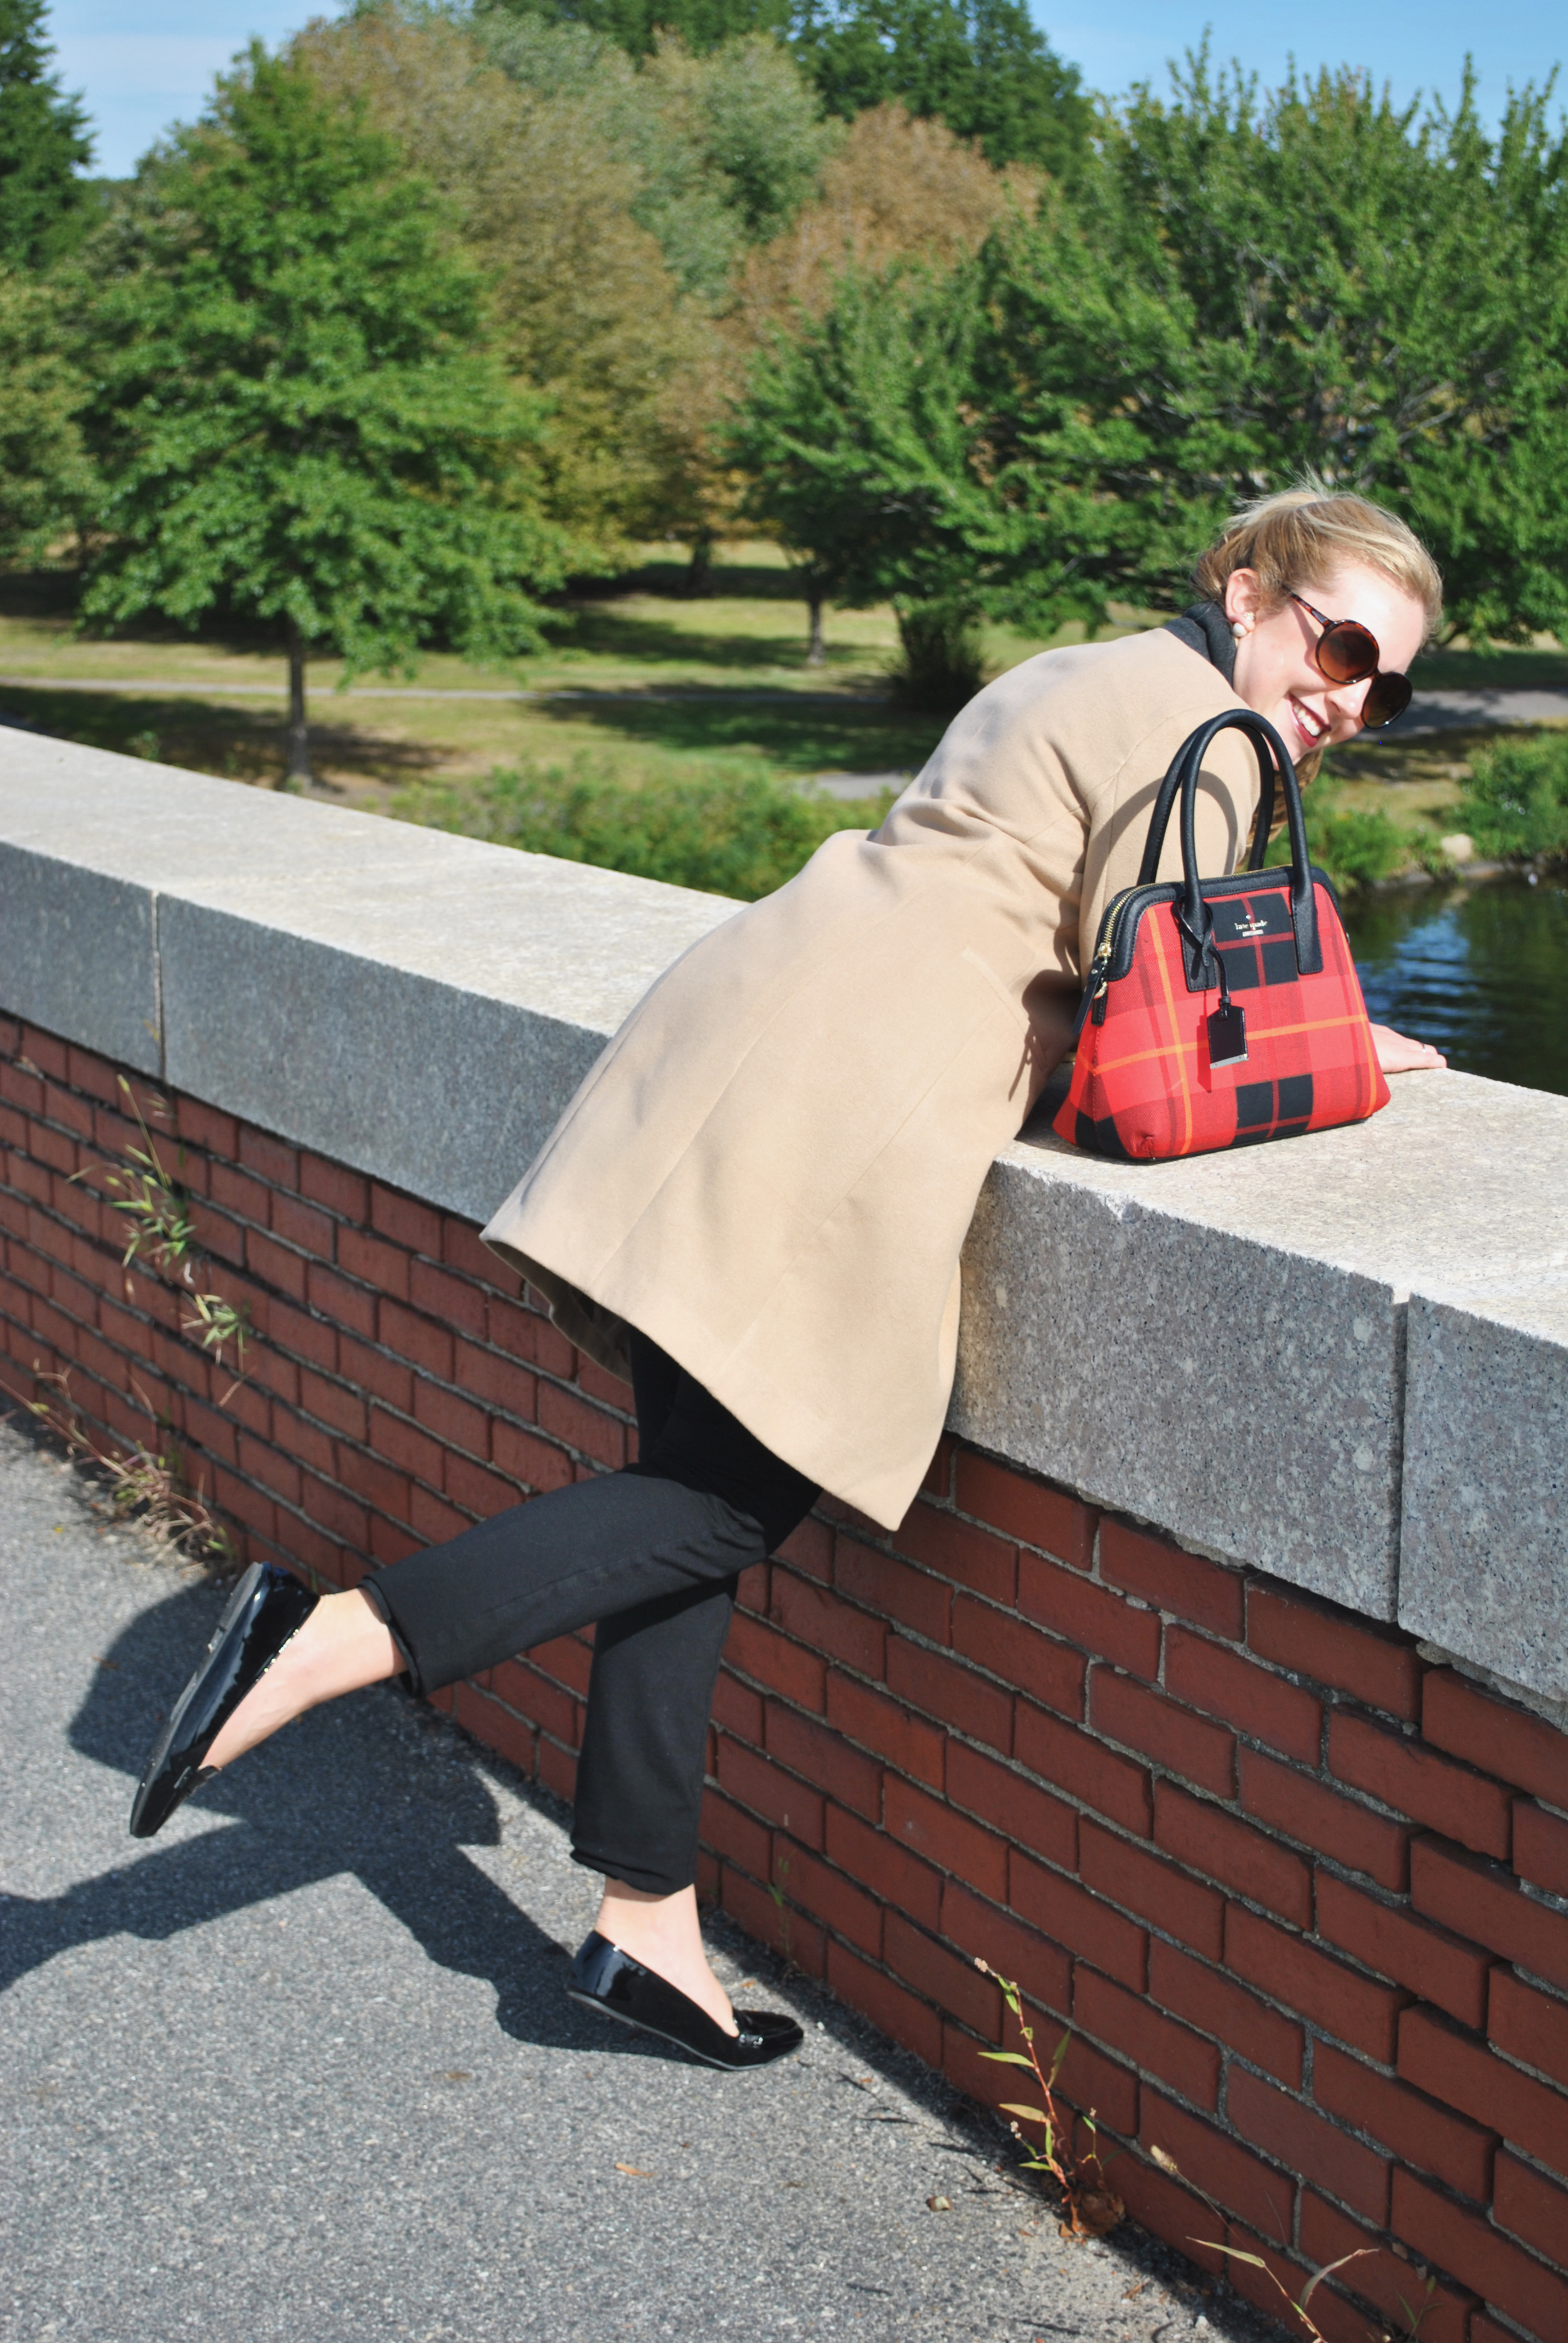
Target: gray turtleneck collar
(1204,628)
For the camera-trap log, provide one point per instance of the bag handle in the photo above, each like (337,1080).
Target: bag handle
(1181,780)
(1264,823)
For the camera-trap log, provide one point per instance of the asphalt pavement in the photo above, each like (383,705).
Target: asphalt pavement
(1431,711)
(1453,710)
(303,2067)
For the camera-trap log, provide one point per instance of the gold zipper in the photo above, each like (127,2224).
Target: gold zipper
(1102,960)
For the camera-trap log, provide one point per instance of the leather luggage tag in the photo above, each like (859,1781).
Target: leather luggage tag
(1228,1035)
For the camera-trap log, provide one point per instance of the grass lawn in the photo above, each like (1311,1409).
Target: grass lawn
(667,685)
(622,649)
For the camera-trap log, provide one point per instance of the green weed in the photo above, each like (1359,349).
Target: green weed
(160,1232)
(775,1890)
(1299,2302)
(1093,2206)
(156,1215)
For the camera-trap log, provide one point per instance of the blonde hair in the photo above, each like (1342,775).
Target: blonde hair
(1311,531)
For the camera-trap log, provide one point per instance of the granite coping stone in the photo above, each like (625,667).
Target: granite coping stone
(574,944)
(1485,1568)
(1217,1346)
(418,1005)
(78,954)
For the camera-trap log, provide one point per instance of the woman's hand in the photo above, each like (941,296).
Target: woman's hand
(1398,1054)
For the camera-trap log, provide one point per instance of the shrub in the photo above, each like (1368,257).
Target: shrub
(1355,848)
(1515,802)
(730,828)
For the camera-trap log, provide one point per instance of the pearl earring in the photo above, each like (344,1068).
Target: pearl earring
(1238,631)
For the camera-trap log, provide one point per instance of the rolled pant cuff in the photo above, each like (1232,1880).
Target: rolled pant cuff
(377,1602)
(635,1874)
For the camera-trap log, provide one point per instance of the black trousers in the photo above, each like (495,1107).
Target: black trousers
(652,1553)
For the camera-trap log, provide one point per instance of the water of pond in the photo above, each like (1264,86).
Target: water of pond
(1480,970)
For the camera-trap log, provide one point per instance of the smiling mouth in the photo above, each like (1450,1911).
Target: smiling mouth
(1312,729)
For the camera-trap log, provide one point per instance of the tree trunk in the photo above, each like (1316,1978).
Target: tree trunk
(299,775)
(816,649)
(699,570)
(943,665)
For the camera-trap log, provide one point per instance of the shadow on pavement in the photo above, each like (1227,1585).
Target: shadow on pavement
(346,1789)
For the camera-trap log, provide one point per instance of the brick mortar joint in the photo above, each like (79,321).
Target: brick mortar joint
(1545,1898)
(1308,1936)
(98,1105)
(1158,1773)
(1232,2057)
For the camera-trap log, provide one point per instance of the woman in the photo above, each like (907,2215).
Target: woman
(755,1202)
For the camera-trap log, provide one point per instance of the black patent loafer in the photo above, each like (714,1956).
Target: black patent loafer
(605,1978)
(264,1610)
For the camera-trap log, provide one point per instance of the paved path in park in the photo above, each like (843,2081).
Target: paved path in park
(1450,712)
(1434,711)
(635,693)
(302,2067)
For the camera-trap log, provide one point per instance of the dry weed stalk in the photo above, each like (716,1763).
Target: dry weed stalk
(146,1477)
(1298,2303)
(777,1893)
(147,1483)
(1093,2208)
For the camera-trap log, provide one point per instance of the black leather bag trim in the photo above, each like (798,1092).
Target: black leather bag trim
(1181,782)
(1125,912)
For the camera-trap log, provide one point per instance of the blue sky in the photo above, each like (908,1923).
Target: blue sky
(1411,45)
(141,67)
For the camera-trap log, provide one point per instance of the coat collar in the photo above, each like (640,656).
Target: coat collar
(1204,628)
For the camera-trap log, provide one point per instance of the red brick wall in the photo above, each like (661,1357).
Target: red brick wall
(1302,1899)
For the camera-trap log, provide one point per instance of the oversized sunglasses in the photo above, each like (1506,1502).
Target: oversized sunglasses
(1347,652)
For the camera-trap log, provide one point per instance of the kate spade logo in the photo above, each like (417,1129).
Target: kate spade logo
(1250,927)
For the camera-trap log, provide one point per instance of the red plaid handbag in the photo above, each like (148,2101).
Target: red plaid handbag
(1164,1069)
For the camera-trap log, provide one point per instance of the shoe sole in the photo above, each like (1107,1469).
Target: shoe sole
(158,1756)
(639,2025)
(240,1599)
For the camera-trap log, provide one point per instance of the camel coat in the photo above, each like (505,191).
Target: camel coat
(771,1168)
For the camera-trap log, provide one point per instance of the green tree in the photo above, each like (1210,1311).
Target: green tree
(1234,291)
(982,65)
(586,312)
(297,417)
(1240,289)
(718,152)
(44,203)
(858,436)
(724,145)
(635,25)
(898,190)
(45,479)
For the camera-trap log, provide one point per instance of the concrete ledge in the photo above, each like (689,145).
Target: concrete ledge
(1485,1566)
(1218,1346)
(418,1005)
(79,954)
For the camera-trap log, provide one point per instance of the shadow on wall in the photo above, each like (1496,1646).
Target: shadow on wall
(335,1793)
